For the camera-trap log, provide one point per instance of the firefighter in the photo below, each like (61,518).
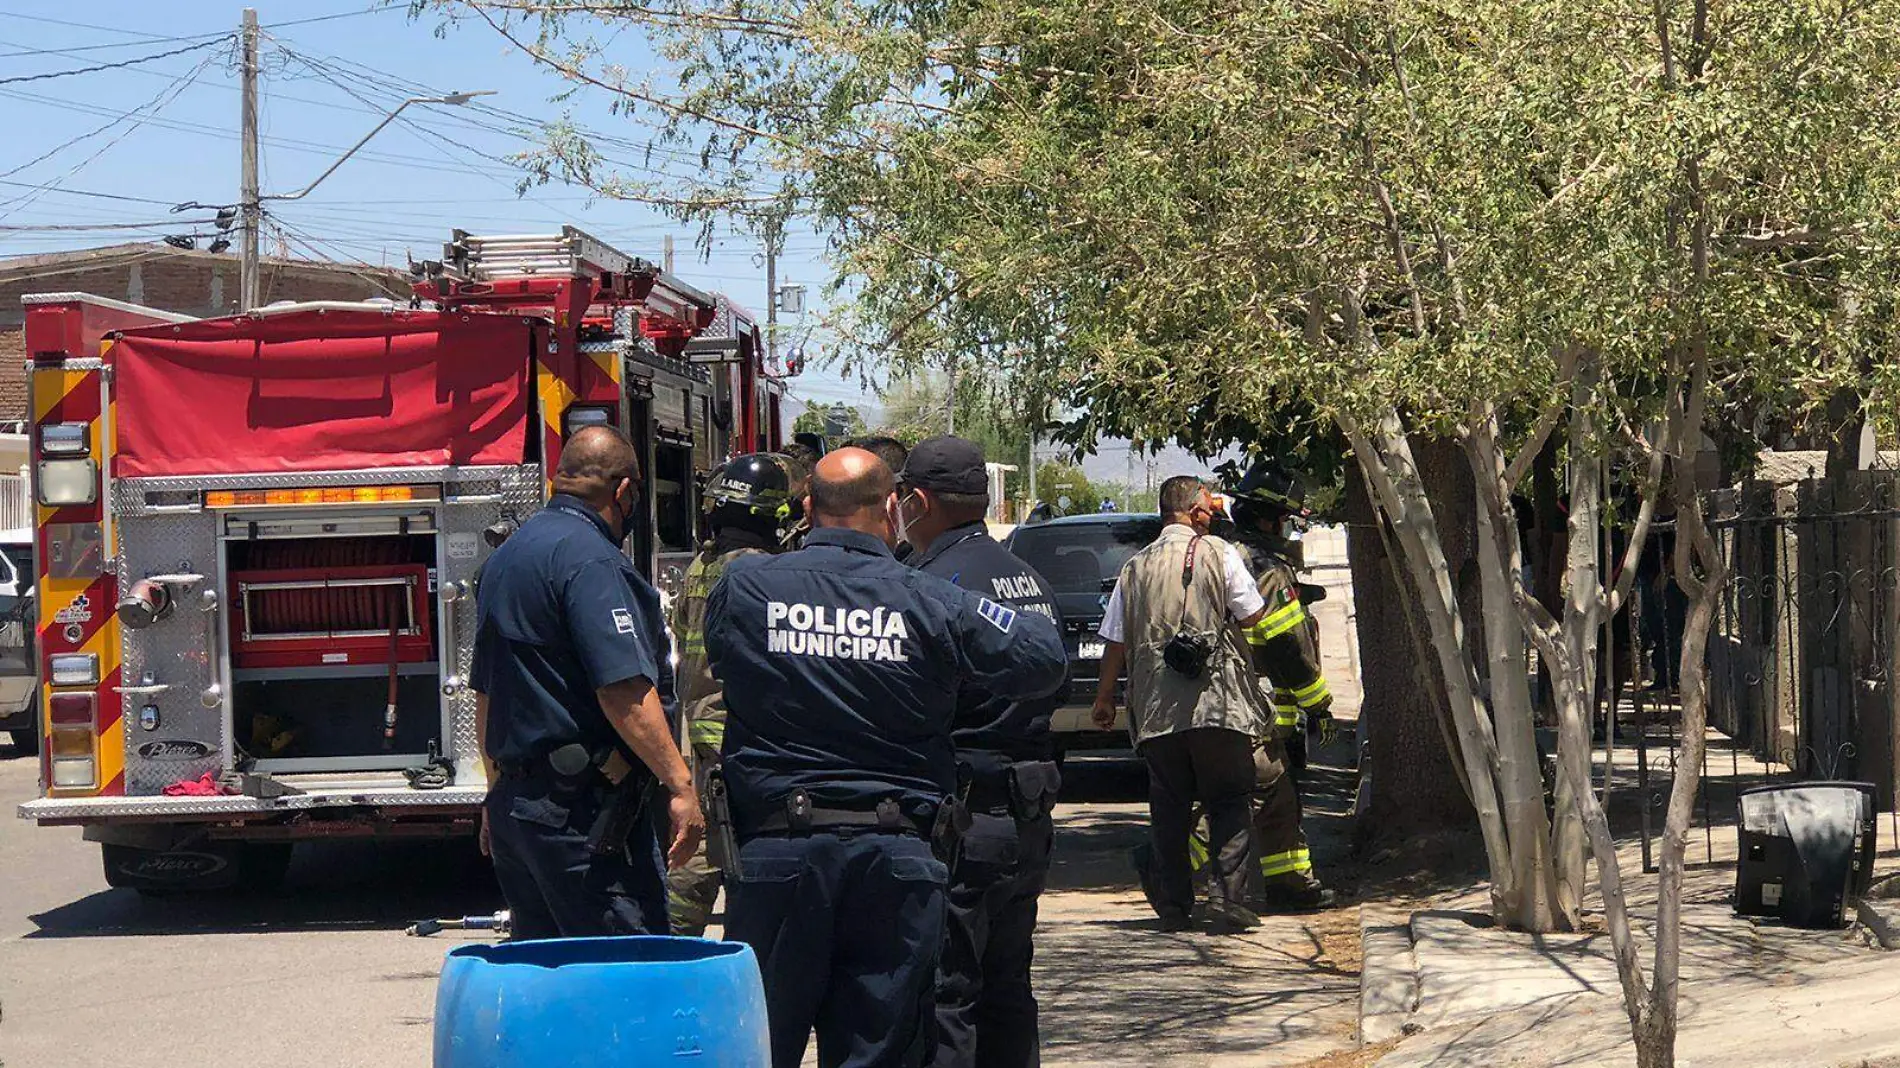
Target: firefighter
(574,710)
(841,669)
(1286,652)
(986,1011)
(748,505)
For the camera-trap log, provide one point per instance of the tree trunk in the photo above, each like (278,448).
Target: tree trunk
(1415,785)
(1385,457)
(1546,553)
(1520,770)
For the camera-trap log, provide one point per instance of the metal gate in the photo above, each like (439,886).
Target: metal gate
(1801,651)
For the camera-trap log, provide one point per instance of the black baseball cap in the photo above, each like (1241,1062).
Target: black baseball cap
(946,464)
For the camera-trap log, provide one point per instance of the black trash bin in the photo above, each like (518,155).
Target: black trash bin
(1806,849)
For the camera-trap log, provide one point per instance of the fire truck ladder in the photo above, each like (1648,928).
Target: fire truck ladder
(572,253)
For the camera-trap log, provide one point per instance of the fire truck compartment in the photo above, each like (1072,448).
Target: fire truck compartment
(275,653)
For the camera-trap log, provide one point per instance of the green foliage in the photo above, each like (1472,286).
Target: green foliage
(1203,222)
(916,407)
(816,419)
(1056,480)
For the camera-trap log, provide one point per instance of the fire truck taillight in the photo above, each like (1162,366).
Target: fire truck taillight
(75,669)
(66,439)
(64,482)
(72,720)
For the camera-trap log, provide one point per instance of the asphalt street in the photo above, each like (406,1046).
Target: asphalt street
(320,974)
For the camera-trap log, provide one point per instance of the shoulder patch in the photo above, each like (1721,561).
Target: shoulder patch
(623,621)
(998,616)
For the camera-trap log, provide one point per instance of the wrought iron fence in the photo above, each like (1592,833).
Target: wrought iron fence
(1802,649)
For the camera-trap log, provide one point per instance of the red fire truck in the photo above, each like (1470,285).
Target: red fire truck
(258,536)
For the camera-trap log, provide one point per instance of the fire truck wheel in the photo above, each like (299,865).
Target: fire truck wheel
(26,743)
(262,866)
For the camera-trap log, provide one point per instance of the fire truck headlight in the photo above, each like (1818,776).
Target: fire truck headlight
(76,669)
(68,482)
(66,439)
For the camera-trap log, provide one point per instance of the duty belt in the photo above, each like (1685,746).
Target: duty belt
(1024,790)
(800,816)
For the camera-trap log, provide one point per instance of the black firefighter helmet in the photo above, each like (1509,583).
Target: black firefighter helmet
(1268,491)
(753,491)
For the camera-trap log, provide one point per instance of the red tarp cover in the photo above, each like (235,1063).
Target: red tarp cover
(321,391)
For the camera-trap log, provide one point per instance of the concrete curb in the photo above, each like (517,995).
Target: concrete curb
(1882,920)
(1388,975)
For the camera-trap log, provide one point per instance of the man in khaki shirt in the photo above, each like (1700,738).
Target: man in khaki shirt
(1194,729)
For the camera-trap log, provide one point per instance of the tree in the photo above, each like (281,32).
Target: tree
(817,419)
(1057,481)
(1482,222)
(916,406)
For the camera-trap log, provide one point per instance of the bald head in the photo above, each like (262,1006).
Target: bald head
(850,488)
(594,461)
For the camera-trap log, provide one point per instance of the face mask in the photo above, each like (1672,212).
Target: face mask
(902,524)
(625,507)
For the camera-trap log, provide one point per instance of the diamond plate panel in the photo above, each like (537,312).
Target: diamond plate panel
(128,494)
(175,651)
(172,651)
(92,807)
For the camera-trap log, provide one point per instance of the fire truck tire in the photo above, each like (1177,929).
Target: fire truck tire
(262,866)
(25,743)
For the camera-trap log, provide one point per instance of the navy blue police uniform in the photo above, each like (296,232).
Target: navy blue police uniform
(561,613)
(841,667)
(986,1010)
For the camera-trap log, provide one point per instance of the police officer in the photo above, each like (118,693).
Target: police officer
(841,669)
(748,504)
(986,1012)
(1286,652)
(573,708)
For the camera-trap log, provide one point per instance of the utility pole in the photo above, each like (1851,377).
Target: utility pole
(950,407)
(250,210)
(1128,485)
(666,253)
(771,297)
(1032,467)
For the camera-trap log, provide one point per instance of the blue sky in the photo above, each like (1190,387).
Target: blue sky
(147,137)
(435,169)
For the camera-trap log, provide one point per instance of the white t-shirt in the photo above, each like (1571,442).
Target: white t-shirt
(1243,597)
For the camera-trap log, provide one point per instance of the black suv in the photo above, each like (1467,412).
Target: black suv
(1080,556)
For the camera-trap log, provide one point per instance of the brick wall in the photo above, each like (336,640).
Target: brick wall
(12,376)
(157,276)
(189,282)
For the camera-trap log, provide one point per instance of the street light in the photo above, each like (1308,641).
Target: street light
(455,99)
(251,206)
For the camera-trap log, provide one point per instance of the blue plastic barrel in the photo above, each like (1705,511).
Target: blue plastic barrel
(583,1002)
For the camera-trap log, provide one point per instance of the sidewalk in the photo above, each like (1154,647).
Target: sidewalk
(1753,992)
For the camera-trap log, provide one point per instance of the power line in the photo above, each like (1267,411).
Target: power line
(153,225)
(327,18)
(155,105)
(115,66)
(116,120)
(290,144)
(67,191)
(76,49)
(150,37)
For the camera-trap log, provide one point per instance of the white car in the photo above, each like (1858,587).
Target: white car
(19,666)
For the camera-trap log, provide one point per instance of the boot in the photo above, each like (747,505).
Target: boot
(1222,917)
(1172,920)
(1301,893)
